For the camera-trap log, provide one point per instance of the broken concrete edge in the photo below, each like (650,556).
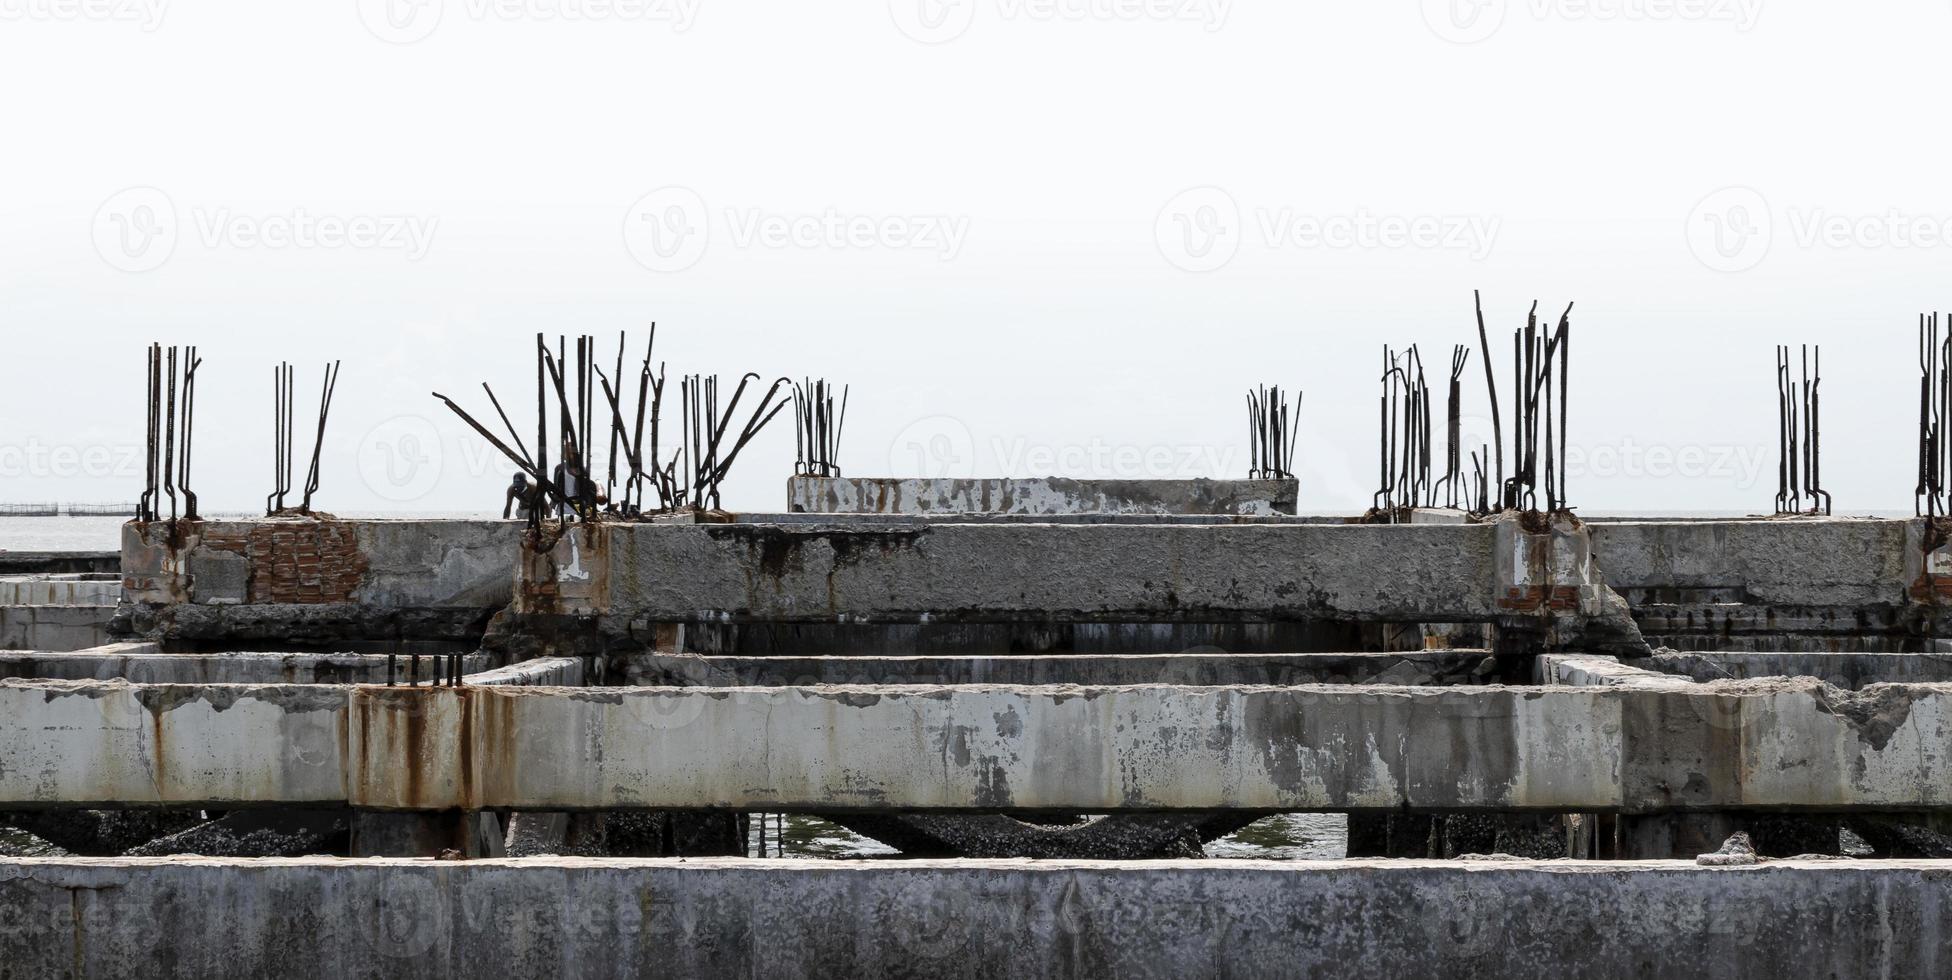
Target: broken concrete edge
(1039,496)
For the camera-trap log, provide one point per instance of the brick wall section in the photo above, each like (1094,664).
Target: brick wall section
(297,562)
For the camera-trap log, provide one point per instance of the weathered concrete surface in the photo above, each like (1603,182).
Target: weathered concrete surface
(305,579)
(142,663)
(965,639)
(76,743)
(1827,582)
(1629,744)
(57,627)
(1102,573)
(1070,749)
(299,918)
(59,590)
(1411,668)
(1040,496)
(1798,562)
(549,671)
(1848,670)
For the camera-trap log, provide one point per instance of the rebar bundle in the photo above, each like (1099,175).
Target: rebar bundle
(817,428)
(166,470)
(1272,428)
(1404,414)
(284,418)
(1934,406)
(690,476)
(1798,461)
(1538,458)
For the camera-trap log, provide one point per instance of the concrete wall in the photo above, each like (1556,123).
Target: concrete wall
(293,578)
(1041,496)
(300,918)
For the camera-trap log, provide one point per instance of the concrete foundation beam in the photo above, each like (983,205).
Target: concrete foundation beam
(300,918)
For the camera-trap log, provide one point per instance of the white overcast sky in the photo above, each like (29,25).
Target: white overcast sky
(1017,280)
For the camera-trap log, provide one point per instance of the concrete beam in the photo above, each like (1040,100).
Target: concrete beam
(637,575)
(1626,743)
(952,919)
(1046,496)
(1788,562)
(1412,668)
(79,743)
(142,663)
(305,579)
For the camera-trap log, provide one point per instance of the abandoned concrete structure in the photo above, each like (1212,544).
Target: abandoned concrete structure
(446,748)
